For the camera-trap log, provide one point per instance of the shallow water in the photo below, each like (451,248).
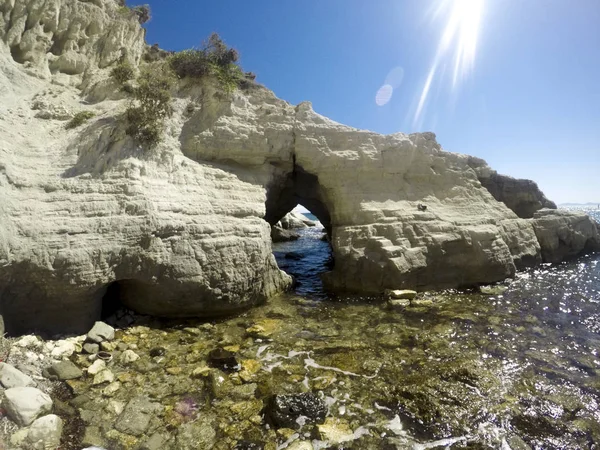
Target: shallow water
(515,369)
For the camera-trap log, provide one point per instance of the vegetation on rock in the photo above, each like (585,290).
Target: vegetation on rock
(79,119)
(141,12)
(151,105)
(123,72)
(213,59)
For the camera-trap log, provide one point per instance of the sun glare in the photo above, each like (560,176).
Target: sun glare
(458,43)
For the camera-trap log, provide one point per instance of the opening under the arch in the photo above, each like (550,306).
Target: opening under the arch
(301,248)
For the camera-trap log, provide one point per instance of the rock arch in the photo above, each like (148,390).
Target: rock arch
(298,187)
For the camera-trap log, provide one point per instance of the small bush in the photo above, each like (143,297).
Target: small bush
(214,59)
(79,119)
(142,12)
(122,73)
(151,105)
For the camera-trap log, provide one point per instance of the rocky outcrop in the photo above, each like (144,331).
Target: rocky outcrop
(564,234)
(523,197)
(295,220)
(283,231)
(184,229)
(66,37)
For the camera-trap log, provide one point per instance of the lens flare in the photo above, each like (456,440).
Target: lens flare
(384,94)
(458,43)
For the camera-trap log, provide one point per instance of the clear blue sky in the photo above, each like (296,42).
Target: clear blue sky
(530,105)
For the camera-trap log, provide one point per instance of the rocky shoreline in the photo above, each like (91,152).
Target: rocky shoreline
(280,377)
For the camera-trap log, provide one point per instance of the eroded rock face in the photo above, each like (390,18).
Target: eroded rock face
(184,229)
(69,37)
(523,197)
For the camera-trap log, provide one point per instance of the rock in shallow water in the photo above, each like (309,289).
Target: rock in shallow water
(136,416)
(224,360)
(293,410)
(400,294)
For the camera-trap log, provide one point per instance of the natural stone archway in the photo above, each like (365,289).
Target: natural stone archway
(298,187)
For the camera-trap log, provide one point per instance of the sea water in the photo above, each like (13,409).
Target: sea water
(535,344)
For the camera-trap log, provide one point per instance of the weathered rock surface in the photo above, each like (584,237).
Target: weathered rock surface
(184,229)
(294,410)
(563,235)
(101,332)
(523,197)
(278,234)
(11,377)
(25,404)
(45,432)
(65,370)
(295,220)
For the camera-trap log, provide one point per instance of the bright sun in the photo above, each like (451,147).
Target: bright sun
(458,44)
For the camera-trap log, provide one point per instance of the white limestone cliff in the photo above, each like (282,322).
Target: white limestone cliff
(184,229)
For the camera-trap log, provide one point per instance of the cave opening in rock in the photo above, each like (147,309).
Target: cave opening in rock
(114,311)
(297,211)
(302,249)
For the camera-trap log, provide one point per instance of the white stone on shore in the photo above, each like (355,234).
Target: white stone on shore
(25,404)
(29,341)
(96,367)
(101,332)
(401,294)
(129,356)
(11,377)
(45,432)
(105,376)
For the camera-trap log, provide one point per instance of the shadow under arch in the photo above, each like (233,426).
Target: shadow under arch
(298,187)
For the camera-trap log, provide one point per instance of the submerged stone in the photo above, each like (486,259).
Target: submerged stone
(222,359)
(136,416)
(294,410)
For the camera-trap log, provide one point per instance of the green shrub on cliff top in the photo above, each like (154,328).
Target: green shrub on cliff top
(213,59)
(151,105)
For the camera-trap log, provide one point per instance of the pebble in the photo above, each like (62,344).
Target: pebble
(136,416)
(335,431)
(11,377)
(285,410)
(128,356)
(300,445)
(401,293)
(63,349)
(101,332)
(91,348)
(225,360)
(398,303)
(65,370)
(45,432)
(25,404)
(111,389)
(105,376)
(29,342)
(98,366)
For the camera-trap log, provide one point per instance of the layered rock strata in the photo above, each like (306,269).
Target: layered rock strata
(184,229)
